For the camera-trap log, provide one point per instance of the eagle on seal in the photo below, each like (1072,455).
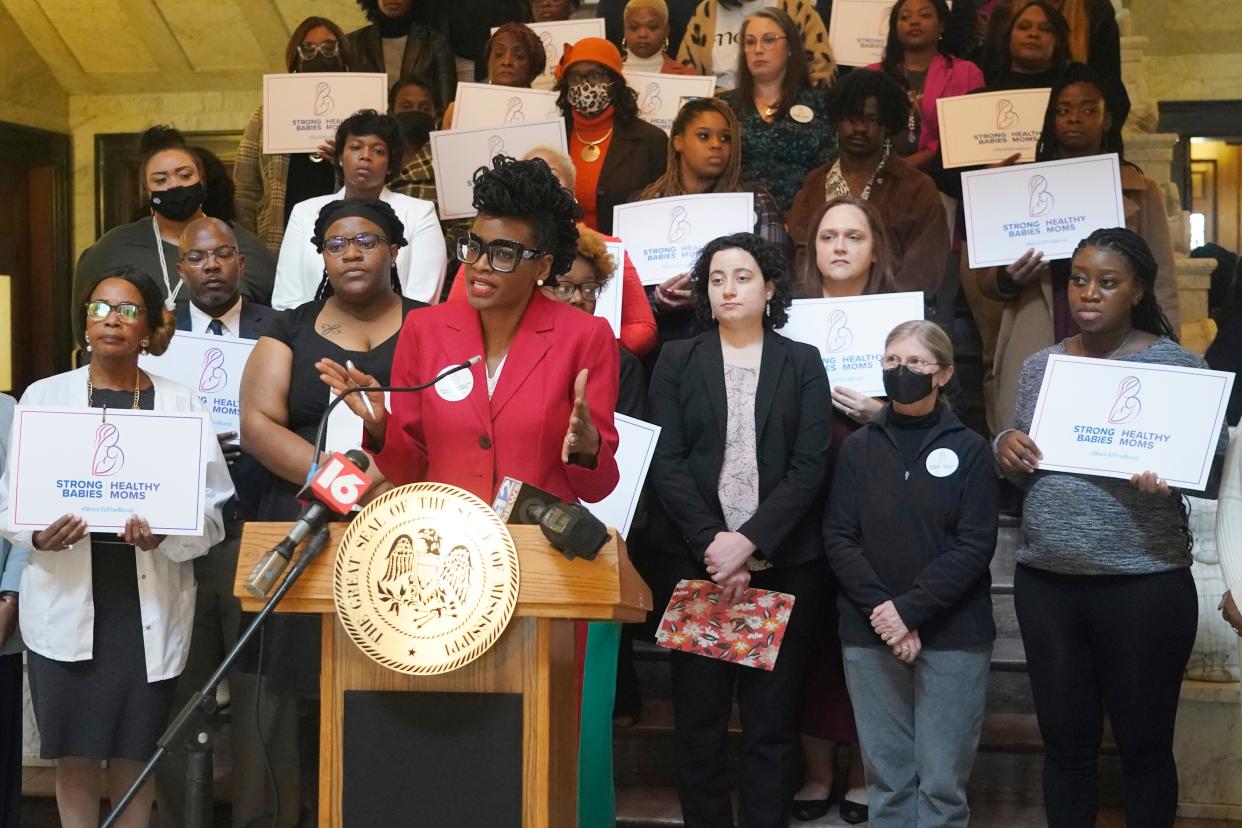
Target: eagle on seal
(432,583)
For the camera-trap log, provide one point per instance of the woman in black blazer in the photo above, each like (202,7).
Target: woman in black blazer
(739,472)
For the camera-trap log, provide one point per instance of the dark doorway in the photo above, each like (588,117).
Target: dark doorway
(36,254)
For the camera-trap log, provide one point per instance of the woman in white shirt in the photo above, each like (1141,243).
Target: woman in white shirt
(107,615)
(369,153)
(1229,532)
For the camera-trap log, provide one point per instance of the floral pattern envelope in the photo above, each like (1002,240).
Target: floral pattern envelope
(748,633)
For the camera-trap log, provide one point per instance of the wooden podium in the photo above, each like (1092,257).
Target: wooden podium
(533,659)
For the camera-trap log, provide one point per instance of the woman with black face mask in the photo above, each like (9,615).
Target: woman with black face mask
(269,185)
(172,178)
(910,532)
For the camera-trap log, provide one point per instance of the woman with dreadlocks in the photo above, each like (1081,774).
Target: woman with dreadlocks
(1103,589)
(1035,314)
(705,156)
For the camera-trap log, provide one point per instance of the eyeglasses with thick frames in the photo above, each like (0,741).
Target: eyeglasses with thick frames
(915,364)
(98,310)
(750,44)
(365,242)
(503,254)
(574,76)
(565,291)
(329,49)
(198,258)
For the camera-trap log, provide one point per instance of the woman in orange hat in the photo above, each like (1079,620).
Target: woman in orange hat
(614,152)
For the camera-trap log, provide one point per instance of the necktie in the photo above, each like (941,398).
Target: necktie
(214,327)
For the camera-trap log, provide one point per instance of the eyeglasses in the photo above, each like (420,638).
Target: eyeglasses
(503,254)
(329,49)
(915,364)
(592,76)
(750,44)
(363,241)
(198,258)
(98,310)
(565,291)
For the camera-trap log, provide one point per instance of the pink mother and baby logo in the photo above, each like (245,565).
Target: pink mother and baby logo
(1127,405)
(213,377)
(109,458)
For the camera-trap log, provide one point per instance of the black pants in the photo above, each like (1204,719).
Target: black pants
(10,739)
(1115,643)
(769,701)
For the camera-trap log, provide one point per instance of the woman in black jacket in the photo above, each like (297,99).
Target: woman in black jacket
(910,533)
(739,471)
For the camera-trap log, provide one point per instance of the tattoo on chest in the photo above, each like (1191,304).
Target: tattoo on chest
(329,328)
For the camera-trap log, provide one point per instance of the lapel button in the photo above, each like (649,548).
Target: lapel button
(485,442)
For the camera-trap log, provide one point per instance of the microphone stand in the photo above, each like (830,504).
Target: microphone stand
(194,727)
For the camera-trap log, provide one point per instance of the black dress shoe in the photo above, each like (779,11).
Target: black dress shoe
(853,813)
(809,809)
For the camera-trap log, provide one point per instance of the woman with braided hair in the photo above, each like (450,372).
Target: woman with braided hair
(1103,589)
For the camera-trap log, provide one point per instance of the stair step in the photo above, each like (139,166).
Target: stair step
(1008,654)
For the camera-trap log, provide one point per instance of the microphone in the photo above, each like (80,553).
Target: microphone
(337,486)
(569,527)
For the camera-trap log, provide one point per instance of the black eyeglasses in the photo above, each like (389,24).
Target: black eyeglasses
(363,241)
(198,258)
(329,49)
(98,310)
(565,291)
(503,254)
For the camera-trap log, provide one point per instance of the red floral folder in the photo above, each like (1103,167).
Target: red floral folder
(748,633)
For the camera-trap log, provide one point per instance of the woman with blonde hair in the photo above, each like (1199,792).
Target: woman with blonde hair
(645,44)
(909,534)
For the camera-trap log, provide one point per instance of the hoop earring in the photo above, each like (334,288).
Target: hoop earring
(146,343)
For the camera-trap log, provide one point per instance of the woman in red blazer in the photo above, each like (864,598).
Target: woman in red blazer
(539,406)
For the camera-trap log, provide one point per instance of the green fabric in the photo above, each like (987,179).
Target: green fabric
(596,796)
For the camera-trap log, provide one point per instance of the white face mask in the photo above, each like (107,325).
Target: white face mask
(589,99)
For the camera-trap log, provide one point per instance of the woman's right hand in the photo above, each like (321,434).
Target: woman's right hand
(1017,452)
(64,533)
(733,587)
(339,377)
(908,648)
(674,294)
(1030,267)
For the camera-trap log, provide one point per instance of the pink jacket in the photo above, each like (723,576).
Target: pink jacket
(943,81)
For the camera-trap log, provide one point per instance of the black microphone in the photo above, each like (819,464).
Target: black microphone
(313,518)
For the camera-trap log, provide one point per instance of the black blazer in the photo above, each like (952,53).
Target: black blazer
(427,54)
(250,478)
(792,432)
(637,155)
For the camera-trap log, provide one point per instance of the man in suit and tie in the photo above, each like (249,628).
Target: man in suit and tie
(213,269)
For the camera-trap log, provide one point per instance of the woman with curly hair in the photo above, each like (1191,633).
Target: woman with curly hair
(614,151)
(738,475)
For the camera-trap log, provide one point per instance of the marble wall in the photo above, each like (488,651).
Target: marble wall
(29,95)
(1195,50)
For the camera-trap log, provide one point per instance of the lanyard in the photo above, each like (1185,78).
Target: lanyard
(171,301)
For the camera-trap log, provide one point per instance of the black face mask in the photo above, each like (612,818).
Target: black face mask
(319,63)
(178,203)
(416,127)
(904,386)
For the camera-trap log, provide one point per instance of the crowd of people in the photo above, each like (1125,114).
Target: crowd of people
(764,475)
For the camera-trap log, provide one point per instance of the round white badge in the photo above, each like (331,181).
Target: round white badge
(455,387)
(801,113)
(942,462)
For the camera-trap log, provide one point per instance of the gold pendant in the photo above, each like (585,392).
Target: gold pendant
(590,153)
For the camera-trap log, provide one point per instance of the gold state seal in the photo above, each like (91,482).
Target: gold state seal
(426,578)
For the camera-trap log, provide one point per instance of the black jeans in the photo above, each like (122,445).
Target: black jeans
(1115,643)
(703,691)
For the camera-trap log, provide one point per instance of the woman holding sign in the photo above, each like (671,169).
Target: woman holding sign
(107,615)
(1103,589)
(1032,291)
(739,473)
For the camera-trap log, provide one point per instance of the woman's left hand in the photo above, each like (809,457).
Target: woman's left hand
(888,624)
(908,648)
(138,532)
(734,587)
(858,407)
(726,554)
(582,438)
(1150,483)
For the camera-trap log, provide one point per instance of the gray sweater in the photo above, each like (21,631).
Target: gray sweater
(1084,525)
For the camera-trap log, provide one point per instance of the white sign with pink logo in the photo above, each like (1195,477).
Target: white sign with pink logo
(850,334)
(211,367)
(105,468)
(1115,418)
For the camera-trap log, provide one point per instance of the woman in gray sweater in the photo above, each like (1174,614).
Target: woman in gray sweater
(1103,590)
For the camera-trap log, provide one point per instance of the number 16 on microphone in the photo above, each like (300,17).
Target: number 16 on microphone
(340,483)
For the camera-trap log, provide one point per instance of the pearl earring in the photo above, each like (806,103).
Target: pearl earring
(88,346)
(539,282)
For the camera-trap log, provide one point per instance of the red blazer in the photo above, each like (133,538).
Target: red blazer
(473,442)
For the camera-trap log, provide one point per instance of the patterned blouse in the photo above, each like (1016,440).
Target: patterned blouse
(738,486)
(780,154)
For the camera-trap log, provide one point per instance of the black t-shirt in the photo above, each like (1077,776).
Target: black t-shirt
(307,179)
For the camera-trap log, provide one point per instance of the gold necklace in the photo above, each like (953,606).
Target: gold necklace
(90,388)
(591,151)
